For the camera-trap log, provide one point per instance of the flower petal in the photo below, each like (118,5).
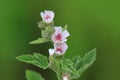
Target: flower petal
(51,51)
(59,36)
(51,14)
(42,15)
(53,37)
(64,47)
(65,34)
(47,16)
(56,46)
(58,29)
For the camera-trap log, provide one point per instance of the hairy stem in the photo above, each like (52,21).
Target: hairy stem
(58,72)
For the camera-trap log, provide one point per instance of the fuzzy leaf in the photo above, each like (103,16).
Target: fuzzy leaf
(39,40)
(26,58)
(35,59)
(32,75)
(42,60)
(81,64)
(68,66)
(76,60)
(87,60)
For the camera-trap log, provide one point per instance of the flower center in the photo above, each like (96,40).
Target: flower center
(59,49)
(47,17)
(58,37)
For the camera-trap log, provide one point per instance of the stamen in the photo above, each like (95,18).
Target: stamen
(47,17)
(58,37)
(59,49)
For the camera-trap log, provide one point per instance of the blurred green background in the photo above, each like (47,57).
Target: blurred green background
(92,24)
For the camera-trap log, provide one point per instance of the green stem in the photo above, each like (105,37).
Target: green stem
(58,72)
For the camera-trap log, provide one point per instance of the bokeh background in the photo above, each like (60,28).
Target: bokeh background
(92,24)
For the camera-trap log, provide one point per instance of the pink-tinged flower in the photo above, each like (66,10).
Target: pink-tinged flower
(47,16)
(60,48)
(59,36)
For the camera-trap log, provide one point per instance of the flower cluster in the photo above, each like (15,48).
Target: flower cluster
(58,37)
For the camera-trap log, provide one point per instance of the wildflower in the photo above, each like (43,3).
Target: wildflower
(59,36)
(47,16)
(60,48)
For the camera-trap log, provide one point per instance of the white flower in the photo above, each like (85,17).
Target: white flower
(60,48)
(47,16)
(59,36)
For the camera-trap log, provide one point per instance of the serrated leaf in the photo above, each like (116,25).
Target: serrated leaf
(81,64)
(32,75)
(26,58)
(87,60)
(42,60)
(68,66)
(36,59)
(38,41)
(76,60)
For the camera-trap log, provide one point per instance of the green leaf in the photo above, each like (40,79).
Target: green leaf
(26,58)
(68,66)
(42,61)
(65,27)
(81,64)
(76,60)
(35,59)
(39,40)
(32,75)
(87,60)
